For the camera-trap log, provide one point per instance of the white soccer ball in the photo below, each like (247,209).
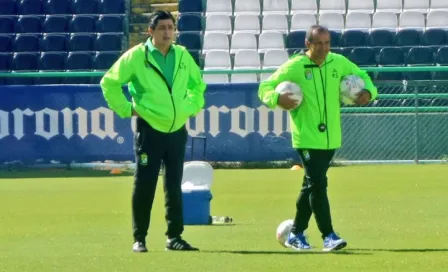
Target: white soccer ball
(291,87)
(350,87)
(283,231)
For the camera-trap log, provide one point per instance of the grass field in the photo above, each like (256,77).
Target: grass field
(393,217)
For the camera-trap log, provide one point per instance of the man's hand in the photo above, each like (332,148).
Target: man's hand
(363,98)
(286,102)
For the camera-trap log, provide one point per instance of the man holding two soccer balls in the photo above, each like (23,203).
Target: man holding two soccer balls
(310,86)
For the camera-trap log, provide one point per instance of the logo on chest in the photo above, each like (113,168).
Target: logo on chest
(308,74)
(335,73)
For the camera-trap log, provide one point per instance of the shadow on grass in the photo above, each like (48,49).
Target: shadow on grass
(58,173)
(274,252)
(402,250)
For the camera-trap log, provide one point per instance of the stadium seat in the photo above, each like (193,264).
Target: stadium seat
(333,21)
(28,24)
(5,43)
(438,5)
(78,61)
(273,59)
(51,61)
(246,59)
(275,7)
(81,42)
(302,21)
(243,41)
(390,56)
(408,37)
(190,6)
(303,6)
(110,23)
(105,60)
(395,6)
(435,37)
(354,38)
(54,42)
(412,19)
(85,7)
(416,5)
(363,56)
(111,7)
(55,24)
(358,20)
(419,56)
(7,24)
(381,37)
(217,60)
(26,7)
(26,43)
(275,22)
(218,23)
(247,7)
(82,23)
(385,20)
(189,22)
(437,19)
(248,23)
(109,42)
(24,62)
(335,37)
(332,6)
(365,6)
(215,41)
(8,7)
(219,7)
(296,40)
(442,56)
(270,40)
(196,58)
(5,66)
(439,102)
(191,40)
(57,6)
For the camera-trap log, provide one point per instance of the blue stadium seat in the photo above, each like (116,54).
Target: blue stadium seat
(84,7)
(109,42)
(5,66)
(441,58)
(53,42)
(363,56)
(419,56)
(105,60)
(335,38)
(381,37)
(435,36)
(82,23)
(26,43)
(51,61)
(439,102)
(111,7)
(81,42)
(191,40)
(7,24)
(57,6)
(110,23)
(28,24)
(408,37)
(195,55)
(390,56)
(29,7)
(24,62)
(354,38)
(8,7)
(296,39)
(55,24)
(6,43)
(190,6)
(189,22)
(79,61)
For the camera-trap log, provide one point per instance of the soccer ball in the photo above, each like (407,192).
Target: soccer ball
(288,86)
(350,87)
(283,231)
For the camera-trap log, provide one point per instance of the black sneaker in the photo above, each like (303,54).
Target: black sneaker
(139,247)
(179,244)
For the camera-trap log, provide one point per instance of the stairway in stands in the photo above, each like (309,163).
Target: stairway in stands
(140,9)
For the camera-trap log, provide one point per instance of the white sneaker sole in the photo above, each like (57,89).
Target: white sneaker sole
(296,248)
(342,244)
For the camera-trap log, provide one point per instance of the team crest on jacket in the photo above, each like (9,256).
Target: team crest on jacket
(308,74)
(335,73)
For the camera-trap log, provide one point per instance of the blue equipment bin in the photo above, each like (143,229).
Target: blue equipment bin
(196,207)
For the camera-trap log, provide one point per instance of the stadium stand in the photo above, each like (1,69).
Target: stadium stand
(60,35)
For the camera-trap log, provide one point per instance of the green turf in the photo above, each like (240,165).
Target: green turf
(393,217)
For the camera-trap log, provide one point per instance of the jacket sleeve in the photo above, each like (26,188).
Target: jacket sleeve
(111,84)
(195,89)
(286,72)
(353,69)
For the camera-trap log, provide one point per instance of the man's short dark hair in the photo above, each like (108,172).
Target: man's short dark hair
(160,15)
(315,28)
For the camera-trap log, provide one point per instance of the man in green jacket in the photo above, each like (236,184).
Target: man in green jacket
(166,88)
(316,126)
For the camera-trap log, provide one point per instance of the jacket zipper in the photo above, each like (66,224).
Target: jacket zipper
(324,91)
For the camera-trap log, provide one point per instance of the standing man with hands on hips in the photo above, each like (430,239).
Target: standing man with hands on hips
(316,126)
(166,88)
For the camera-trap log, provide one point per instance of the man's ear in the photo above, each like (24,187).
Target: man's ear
(307,44)
(150,31)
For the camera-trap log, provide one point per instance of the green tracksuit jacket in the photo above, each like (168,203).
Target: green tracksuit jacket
(321,98)
(166,109)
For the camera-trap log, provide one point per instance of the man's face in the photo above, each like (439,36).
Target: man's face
(163,33)
(320,45)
